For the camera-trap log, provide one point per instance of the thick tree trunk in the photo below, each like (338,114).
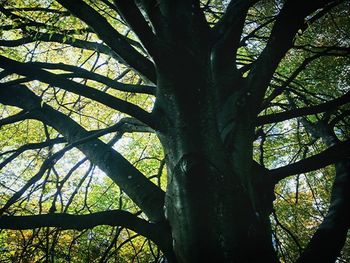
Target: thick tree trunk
(212,219)
(211,204)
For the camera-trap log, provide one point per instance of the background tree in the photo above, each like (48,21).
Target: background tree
(207,127)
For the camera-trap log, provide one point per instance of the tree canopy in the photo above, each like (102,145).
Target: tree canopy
(130,127)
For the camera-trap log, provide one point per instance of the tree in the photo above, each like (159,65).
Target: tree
(223,85)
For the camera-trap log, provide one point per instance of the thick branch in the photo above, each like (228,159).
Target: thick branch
(128,10)
(143,192)
(34,72)
(331,50)
(226,36)
(21,116)
(60,38)
(158,233)
(123,126)
(181,24)
(337,221)
(230,26)
(288,22)
(327,157)
(150,9)
(330,236)
(80,222)
(282,116)
(83,73)
(111,37)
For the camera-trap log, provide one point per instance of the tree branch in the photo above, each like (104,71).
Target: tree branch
(144,193)
(158,233)
(279,90)
(288,22)
(48,163)
(317,161)
(226,36)
(34,72)
(123,126)
(150,8)
(128,10)
(254,31)
(230,26)
(282,116)
(80,222)
(21,116)
(111,37)
(329,238)
(26,147)
(39,9)
(60,38)
(83,73)
(337,221)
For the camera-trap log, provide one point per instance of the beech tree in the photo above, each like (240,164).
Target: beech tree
(245,99)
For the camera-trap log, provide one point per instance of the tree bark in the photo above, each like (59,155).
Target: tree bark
(211,203)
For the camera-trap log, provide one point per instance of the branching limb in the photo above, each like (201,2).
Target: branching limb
(143,192)
(317,161)
(288,22)
(229,27)
(34,72)
(49,162)
(21,116)
(226,36)
(282,116)
(253,32)
(336,223)
(155,232)
(151,10)
(39,9)
(111,37)
(330,236)
(26,147)
(128,10)
(125,125)
(60,38)
(331,50)
(83,73)
(279,90)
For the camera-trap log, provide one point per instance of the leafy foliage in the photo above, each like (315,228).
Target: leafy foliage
(74,66)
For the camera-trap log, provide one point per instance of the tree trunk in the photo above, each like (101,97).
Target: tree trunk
(212,218)
(211,201)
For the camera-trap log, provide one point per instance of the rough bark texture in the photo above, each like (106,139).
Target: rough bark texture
(210,199)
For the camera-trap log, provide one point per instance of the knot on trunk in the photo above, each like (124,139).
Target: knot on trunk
(189,163)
